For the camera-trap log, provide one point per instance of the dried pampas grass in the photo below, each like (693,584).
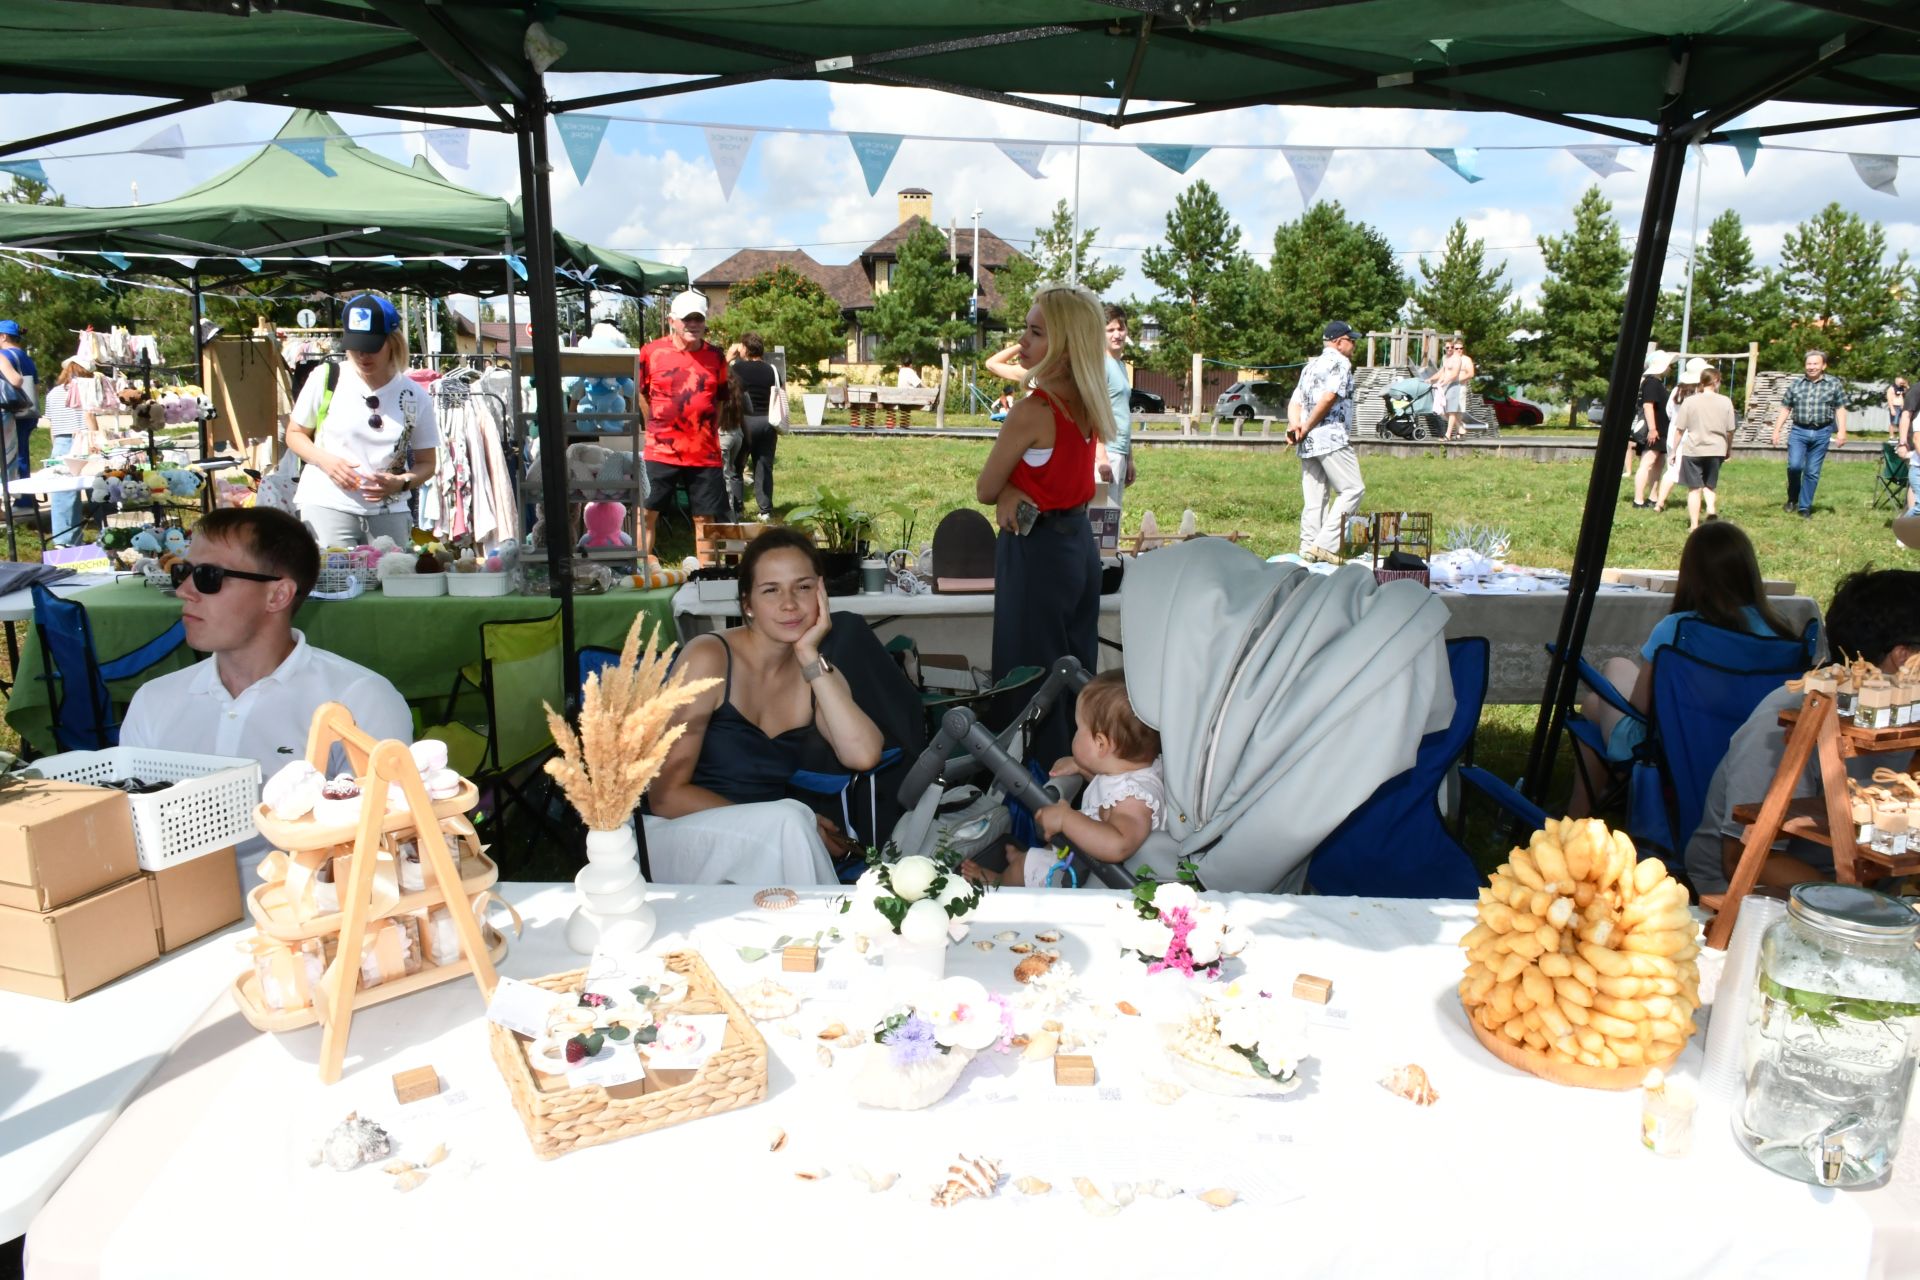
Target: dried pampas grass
(626,730)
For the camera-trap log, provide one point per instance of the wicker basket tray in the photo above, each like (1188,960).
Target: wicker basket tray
(560,1119)
(1573,1073)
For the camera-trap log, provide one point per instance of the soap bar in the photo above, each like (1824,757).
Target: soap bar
(800,959)
(1312,989)
(1072,1068)
(415,1084)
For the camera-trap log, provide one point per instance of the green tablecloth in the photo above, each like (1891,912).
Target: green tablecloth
(416,643)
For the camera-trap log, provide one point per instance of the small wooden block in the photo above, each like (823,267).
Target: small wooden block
(1313,990)
(800,959)
(1072,1068)
(415,1084)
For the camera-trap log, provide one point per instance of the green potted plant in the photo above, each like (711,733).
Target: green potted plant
(843,530)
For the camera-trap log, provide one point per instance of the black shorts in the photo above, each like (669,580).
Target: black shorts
(706,488)
(1700,473)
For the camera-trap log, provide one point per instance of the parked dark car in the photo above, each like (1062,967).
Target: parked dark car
(1252,400)
(1145,402)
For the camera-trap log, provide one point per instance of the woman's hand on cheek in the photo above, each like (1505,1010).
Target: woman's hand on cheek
(807,648)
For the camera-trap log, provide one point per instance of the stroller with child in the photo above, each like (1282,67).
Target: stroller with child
(1283,700)
(1410,414)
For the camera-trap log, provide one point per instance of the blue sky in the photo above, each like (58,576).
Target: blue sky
(653,190)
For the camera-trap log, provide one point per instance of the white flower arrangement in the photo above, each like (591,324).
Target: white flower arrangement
(913,898)
(920,1048)
(1168,927)
(1242,1040)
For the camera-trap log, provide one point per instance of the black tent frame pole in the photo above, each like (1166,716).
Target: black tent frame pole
(544,316)
(1603,486)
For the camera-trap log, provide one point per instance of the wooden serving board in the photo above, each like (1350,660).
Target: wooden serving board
(1576,1074)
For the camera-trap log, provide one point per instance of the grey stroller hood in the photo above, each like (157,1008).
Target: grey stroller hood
(1283,699)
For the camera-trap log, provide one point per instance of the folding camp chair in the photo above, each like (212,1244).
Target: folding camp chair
(84,718)
(936,705)
(1890,486)
(824,782)
(520,674)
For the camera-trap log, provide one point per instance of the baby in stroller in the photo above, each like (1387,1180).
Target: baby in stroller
(1124,800)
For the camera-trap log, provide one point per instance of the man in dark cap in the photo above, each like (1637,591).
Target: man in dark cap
(1319,417)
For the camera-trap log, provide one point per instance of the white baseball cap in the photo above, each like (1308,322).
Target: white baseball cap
(688,304)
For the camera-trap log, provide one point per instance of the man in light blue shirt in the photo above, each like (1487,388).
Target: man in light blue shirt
(1321,414)
(1113,463)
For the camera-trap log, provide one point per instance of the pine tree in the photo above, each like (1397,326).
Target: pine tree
(1051,260)
(1461,294)
(1207,285)
(1837,292)
(924,310)
(788,310)
(1725,294)
(1327,267)
(1580,303)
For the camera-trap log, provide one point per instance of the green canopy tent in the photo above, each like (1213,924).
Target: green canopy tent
(1669,73)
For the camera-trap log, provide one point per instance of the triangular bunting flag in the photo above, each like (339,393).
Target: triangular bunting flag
(1747,145)
(119,260)
(581,135)
(32,170)
(169,142)
(875,152)
(388,260)
(1877,172)
(251,264)
(519,267)
(187,262)
(1464,161)
(312,150)
(1027,155)
(458,264)
(1175,156)
(1309,165)
(1442,45)
(1604,161)
(450,145)
(729,148)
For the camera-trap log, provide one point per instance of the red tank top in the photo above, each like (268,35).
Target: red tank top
(1066,479)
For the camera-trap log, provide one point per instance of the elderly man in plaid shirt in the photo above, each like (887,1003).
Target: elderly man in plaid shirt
(1319,415)
(1818,406)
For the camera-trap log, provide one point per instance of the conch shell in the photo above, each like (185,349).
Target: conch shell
(968,1178)
(1410,1082)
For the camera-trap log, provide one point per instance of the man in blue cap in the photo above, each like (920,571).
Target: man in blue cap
(1319,416)
(17,367)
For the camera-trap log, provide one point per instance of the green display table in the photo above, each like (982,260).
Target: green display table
(416,643)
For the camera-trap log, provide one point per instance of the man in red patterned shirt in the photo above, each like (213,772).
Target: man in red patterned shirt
(682,381)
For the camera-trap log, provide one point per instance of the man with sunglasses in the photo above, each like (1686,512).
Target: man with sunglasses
(248,571)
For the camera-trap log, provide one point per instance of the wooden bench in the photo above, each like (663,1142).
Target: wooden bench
(864,404)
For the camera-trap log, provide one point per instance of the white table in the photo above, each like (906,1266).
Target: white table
(67,1069)
(17,606)
(1505,1176)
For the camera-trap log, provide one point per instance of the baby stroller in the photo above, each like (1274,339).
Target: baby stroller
(1410,414)
(1283,700)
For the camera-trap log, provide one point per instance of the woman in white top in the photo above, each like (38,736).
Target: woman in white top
(375,438)
(74,433)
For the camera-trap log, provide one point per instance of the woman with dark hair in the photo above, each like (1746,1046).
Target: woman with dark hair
(756,379)
(1720,584)
(720,809)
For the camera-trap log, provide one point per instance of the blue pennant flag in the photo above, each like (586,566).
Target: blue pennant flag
(312,150)
(1747,144)
(32,170)
(1175,156)
(1464,161)
(519,267)
(251,264)
(875,151)
(119,260)
(581,135)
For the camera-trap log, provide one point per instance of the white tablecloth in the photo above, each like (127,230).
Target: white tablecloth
(17,606)
(1505,1176)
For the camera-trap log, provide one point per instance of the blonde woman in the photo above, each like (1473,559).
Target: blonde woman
(75,433)
(1038,479)
(365,432)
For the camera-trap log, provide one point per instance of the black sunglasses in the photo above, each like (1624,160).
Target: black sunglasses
(209,578)
(374,419)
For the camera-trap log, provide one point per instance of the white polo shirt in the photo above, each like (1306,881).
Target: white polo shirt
(191,710)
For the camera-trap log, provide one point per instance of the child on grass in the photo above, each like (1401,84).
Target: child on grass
(1125,793)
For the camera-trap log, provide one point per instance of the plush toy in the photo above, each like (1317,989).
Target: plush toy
(276,491)
(606,526)
(147,542)
(395,564)
(102,490)
(584,462)
(176,542)
(233,488)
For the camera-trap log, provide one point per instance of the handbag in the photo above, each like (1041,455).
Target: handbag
(14,399)
(777,409)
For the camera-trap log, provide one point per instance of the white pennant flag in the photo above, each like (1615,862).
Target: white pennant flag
(188,263)
(1309,165)
(169,142)
(1027,155)
(729,148)
(1877,172)
(1604,161)
(458,264)
(450,145)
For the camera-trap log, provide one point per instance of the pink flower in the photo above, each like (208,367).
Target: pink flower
(1179,922)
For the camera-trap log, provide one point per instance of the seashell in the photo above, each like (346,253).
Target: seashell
(776,1139)
(1085,1187)
(766,1000)
(1020,948)
(396,1167)
(1019,1042)
(1123,1194)
(1050,937)
(873,1182)
(1041,1047)
(1053,957)
(1164,1093)
(1099,1206)
(1219,1197)
(983,945)
(832,1031)
(852,1040)
(354,1142)
(1051,1024)
(1410,1082)
(968,1178)
(788,1029)
(825,1055)
(861,942)
(1006,935)
(1157,1189)
(410,1179)
(810,1175)
(435,1156)
(1032,1186)
(1031,967)
(1126,1008)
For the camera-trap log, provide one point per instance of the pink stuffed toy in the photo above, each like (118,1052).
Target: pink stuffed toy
(606,525)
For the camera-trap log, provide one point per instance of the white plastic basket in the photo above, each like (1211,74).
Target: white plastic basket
(209,806)
(479,584)
(336,579)
(415,584)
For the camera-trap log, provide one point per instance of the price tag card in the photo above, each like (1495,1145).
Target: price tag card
(614,1064)
(522,1007)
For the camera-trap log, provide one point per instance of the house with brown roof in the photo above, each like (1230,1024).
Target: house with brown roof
(484,337)
(854,284)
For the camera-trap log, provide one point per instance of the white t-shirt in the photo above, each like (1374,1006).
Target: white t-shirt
(191,710)
(346,434)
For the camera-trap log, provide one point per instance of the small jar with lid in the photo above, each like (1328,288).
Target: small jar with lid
(1892,827)
(1873,705)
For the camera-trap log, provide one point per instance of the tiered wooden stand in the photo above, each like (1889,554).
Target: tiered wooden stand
(1814,731)
(377,765)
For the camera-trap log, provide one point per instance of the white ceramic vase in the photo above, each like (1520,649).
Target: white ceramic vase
(613,911)
(907,964)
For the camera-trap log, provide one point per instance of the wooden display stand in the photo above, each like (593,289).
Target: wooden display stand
(1814,731)
(378,765)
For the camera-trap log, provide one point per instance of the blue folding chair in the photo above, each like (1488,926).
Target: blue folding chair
(84,718)
(595,658)
(1396,845)
(822,782)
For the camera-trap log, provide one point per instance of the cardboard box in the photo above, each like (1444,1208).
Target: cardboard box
(191,899)
(67,952)
(60,841)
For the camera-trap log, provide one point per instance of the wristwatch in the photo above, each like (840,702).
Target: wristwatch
(811,671)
